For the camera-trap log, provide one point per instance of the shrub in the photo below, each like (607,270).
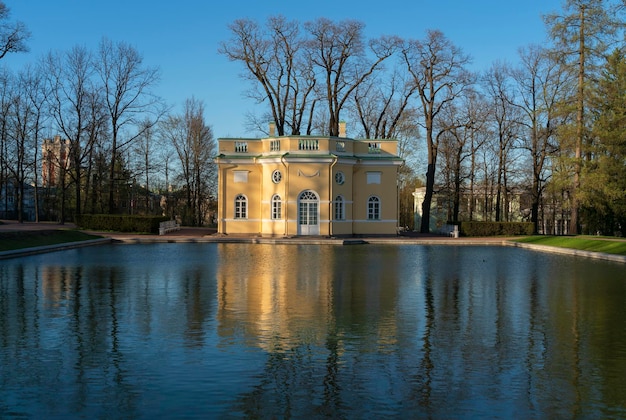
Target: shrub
(120,223)
(496,228)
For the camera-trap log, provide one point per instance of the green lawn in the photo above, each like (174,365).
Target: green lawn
(20,240)
(586,243)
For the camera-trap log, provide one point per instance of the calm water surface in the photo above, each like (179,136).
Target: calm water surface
(289,331)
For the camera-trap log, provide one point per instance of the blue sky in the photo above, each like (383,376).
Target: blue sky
(182,38)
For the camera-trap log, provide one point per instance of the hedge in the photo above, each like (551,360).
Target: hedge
(120,223)
(496,228)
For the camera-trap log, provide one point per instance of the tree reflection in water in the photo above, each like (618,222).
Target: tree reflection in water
(211,330)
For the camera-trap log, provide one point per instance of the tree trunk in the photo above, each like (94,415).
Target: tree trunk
(20,202)
(471,183)
(499,183)
(62,216)
(580,115)
(534,205)
(534,215)
(457,188)
(112,178)
(428,197)
(77,187)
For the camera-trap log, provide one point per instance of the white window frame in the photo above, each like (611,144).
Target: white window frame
(241,207)
(277,207)
(373,208)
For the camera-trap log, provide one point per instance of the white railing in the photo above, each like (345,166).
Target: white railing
(241,147)
(308,144)
(170,225)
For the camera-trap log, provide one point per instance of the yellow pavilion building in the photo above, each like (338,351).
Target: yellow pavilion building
(282,186)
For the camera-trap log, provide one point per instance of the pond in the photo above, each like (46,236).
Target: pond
(311,331)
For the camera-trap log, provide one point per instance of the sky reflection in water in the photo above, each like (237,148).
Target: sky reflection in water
(291,331)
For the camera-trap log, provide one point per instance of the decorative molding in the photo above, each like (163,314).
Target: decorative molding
(300,173)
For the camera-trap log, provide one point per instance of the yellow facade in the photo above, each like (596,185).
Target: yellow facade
(307,185)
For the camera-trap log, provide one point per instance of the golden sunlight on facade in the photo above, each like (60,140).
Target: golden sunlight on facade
(307,185)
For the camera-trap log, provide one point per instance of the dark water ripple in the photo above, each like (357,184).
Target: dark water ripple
(289,331)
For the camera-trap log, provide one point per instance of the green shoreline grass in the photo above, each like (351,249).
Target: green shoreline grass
(13,240)
(607,245)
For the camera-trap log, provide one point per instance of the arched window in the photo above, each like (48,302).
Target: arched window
(373,208)
(241,207)
(277,207)
(340,213)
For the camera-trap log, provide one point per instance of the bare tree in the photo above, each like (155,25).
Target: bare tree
(540,85)
(339,54)
(6,94)
(127,97)
(506,124)
(13,35)
(22,118)
(293,72)
(35,95)
(437,69)
(275,63)
(146,159)
(71,104)
(194,144)
(96,132)
(381,105)
(19,125)
(465,117)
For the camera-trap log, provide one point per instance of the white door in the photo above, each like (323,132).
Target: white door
(308,213)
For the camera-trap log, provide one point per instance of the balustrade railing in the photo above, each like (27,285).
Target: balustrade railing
(308,144)
(241,147)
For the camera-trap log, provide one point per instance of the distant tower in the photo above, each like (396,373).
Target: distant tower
(54,157)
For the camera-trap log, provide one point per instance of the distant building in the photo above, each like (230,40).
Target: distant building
(9,205)
(307,185)
(55,158)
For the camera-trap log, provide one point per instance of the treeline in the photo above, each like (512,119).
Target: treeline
(548,128)
(81,132)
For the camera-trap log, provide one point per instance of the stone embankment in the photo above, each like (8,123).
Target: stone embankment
(207,235)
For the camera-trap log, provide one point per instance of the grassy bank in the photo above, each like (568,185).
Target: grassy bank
(615,246)
(19,240)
